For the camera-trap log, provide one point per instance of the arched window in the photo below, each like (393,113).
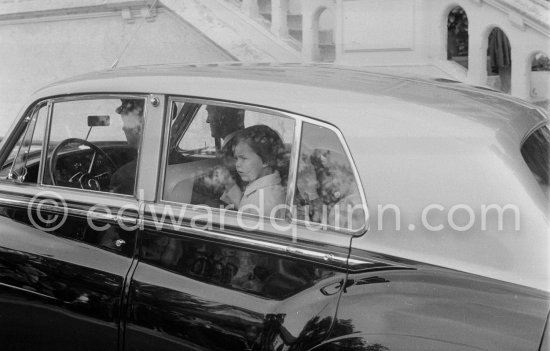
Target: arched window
(540,79)
(457,36)
(499,63)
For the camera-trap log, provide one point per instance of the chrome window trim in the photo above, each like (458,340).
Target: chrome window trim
(33,292)
(293,171)
(27,120)
(164,149)
(327,257)
(69,211)
(45,140)
(51,187)
(257,243)
(299,119)
(96,96)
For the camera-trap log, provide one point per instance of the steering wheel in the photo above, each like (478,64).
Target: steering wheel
(86,180)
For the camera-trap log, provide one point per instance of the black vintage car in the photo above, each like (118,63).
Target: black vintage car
(288,207)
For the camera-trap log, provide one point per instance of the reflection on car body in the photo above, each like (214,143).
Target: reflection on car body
(224,207)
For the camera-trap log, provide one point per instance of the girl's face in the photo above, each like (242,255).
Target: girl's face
(249,164)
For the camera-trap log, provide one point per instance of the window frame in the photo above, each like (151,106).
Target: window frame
(21,130)
(91,96)
(293,163)
(535,129)
(361,230)
(75,202)
(532,131)
(11,139)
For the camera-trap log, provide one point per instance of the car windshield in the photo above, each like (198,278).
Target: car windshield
(535,152)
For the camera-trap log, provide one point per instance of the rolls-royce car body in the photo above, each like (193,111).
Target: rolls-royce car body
(273,207)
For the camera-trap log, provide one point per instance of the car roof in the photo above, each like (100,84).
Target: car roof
(415,142)
(315,90)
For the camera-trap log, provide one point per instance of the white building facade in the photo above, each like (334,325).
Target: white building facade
(45,40)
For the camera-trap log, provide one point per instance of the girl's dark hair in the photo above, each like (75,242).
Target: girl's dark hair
(266,143)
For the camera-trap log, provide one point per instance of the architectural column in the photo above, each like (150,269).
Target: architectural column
(477,54)
(279,13)
(250,7)
(521,73)
(310,31)
(339,31)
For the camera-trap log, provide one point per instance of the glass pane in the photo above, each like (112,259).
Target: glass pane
(26,164)
(196,140)
(94,144)
(226,157)
(326,188)
(535,152)
(6,167)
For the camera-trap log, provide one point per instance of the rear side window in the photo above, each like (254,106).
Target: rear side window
(535,152)
(326,188)
(251,161)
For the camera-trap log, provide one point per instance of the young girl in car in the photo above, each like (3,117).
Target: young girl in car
(258,157)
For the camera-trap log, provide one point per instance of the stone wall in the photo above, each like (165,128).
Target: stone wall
(38,48)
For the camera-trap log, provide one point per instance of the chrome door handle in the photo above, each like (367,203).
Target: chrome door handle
(120,242)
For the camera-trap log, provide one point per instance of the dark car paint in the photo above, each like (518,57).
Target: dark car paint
(58,290)
(422,305)
(428,307)
(55,303)
(173,305)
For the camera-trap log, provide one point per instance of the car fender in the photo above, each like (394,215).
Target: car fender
(422,306)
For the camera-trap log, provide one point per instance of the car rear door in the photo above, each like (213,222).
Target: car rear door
(210,279)
(182,294)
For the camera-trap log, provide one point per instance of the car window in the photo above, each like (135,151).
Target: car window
(8,163)
(231,158)
(327,190)
(94,144)
(23,162)
(535,152)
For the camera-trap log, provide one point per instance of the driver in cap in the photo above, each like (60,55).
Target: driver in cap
(131,113)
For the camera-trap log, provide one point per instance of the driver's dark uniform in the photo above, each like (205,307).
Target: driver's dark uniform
(124,179)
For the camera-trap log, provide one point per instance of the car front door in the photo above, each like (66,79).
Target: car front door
(66,243)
